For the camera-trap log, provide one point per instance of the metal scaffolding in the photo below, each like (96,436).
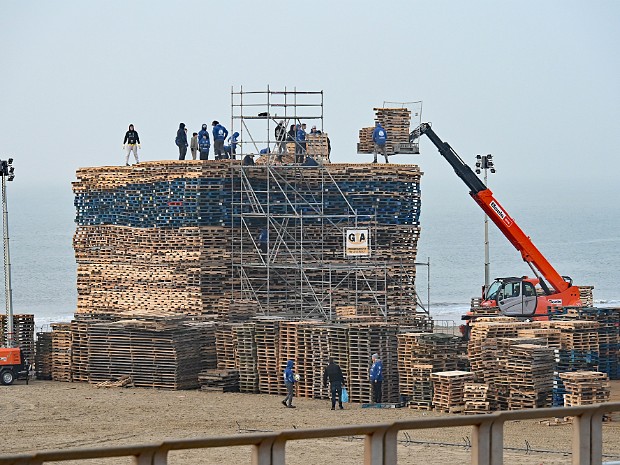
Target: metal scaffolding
(255,114)
(288,245)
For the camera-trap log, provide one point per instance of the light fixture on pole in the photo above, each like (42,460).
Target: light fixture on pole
(7,172)
(485,163)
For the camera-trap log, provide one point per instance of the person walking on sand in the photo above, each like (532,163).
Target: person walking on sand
(289,381)
(131,143)
(376,378)
(379,137)
(336,380)
(181,141)
(219,136)
(193,145)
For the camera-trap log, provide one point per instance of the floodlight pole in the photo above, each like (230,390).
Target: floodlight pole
(10,336)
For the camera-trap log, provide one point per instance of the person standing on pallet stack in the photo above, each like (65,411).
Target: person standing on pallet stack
(333,372)
(193,145)
(280,133)
(376,378)
(300,143)
(181,141)
(131,143)
(379,137)
(219,136)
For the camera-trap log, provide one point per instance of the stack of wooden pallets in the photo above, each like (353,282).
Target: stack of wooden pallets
(317,147)
(365,144)
(43,356)
(419,387)
(246,357)
(529,375)
(585,388)
(477,399)
(226,342)
(449,390)
(156,354)
(267,356)
(61,352)
(396,121)
(219,380)
(23,333)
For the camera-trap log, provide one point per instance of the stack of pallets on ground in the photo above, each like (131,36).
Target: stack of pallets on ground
(366,339)
(61,352)
(585,388)
(267,356)
(246,357)
(578,351)
(43,355)
(608,335)
(449,390)
(156,354)
(23,333)
(219,380)
(419,387)
(439,351)
(476,398)
(529,374)
(487,354)
(208,348)
(226,341)
(79,349)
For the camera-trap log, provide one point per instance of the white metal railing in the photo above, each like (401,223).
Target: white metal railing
(380,444)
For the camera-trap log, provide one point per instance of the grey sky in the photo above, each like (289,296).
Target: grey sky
(535,83)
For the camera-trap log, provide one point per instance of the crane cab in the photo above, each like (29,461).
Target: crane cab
(514,296)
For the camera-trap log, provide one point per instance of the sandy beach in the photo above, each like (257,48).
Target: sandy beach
(54,415)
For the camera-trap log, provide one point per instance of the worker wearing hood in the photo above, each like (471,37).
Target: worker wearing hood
(131,143)
(233,141)
(289,381)
(181,141)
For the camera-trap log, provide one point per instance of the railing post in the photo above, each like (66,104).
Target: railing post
(145,458)
(497,442)
(373,447)
(278,452)
(261,452)
(596,432)
(481,443)
(390,447)
(582,437)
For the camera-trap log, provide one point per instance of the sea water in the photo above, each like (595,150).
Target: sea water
(587,248)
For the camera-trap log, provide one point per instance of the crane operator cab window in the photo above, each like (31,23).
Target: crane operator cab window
(517,298)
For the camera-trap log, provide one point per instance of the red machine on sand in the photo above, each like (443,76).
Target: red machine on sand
(514,296)
(13,365)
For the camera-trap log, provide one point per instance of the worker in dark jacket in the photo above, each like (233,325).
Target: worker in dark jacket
(204,144)
(336,380)
(219,136)
(280,134)
(181,141)
(131,143)
(376,378)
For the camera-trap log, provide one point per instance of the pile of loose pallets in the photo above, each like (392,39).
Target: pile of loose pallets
(585,388)
(477,399)
(449,390)
(219,380)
